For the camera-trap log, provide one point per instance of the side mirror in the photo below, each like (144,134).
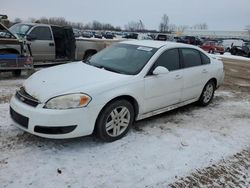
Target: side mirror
(160,70)
(31,37)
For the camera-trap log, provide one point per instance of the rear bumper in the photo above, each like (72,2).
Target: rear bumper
(58,124)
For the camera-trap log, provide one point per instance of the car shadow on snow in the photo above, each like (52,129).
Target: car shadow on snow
(175,116)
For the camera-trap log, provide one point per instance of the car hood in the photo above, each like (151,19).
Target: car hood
(68,78)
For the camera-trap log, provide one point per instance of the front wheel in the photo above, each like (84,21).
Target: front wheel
(115,120)
(207,94)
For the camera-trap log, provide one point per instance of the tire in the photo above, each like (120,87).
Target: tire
(207,94)
(17,73)
(233,51)
(115,120)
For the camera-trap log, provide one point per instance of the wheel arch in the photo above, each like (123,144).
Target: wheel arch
(214,80)
(89,52)
(129,98)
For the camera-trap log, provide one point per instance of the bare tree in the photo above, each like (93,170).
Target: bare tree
(164,27)
(118,28)
(172,28)
(17,20)
(182,28)
(200,26)
(96,25)
(32,20)
(133,26)
(248,29)
(43,20)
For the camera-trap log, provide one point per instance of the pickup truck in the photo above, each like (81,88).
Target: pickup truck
(53,44)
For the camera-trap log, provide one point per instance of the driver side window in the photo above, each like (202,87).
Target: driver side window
(42,33)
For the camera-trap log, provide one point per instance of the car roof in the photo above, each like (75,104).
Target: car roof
(157,44)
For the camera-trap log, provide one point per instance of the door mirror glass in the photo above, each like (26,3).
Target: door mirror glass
(160,70)
(31,37)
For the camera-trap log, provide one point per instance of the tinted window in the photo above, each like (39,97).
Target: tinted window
(205,59)
(42,33)
(191,57)
(169,59)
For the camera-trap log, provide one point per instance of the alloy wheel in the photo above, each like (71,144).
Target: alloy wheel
(117,121)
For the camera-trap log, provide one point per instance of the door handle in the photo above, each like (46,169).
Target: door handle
(204,71)
(51,44)
(177,77)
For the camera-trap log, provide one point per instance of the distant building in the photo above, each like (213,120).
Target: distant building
(218,34)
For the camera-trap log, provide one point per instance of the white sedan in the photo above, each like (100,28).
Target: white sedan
(125,82)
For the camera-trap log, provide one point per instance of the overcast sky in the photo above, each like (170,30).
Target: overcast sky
(218,14)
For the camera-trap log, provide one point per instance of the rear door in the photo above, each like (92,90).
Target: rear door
(43,46)
(196,72)
(165,89)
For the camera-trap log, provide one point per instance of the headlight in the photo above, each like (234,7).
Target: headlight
(68,101)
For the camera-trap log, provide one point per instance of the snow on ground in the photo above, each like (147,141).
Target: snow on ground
(7,88)
(233,57)
(156,150)
(233,172)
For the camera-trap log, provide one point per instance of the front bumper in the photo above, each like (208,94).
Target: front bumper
(50,123)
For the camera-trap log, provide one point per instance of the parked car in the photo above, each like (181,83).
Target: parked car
(138,36)
(77,32)
(243,50)
(229,43)
(108,35)
(87,34)
(161,37)
(212,47)
(98,35)
(125,82)
(189,40)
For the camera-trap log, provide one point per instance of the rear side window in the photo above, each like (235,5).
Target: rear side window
(191,57)
(42,33)
(205,59)
(169,59)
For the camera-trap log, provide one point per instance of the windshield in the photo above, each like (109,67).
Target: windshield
(20,29)
(123,58)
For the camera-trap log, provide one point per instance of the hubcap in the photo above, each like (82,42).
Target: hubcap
(118,121)
(208,93)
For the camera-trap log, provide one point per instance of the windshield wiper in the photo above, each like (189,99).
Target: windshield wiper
(88,62)
(102,67)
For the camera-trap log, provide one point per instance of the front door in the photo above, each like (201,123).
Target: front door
(43,46)
(164,89)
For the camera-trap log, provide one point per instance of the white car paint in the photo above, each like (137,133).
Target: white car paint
(154,94)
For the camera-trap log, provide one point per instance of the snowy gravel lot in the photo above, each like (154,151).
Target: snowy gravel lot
(189,147)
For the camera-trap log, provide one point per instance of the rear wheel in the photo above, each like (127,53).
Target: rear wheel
(207,93)
(115,120)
